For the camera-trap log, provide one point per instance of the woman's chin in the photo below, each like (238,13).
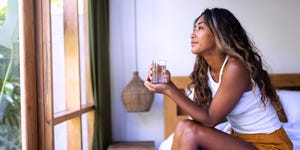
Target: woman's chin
(194,51)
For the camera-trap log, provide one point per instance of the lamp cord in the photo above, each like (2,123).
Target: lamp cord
(135,35)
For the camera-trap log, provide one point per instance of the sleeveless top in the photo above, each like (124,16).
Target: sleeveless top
(250,115)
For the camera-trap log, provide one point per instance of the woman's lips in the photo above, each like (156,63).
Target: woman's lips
(194,43)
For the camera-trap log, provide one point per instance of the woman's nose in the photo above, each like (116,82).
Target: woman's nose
(192,35)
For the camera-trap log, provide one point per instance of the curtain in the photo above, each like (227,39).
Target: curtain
(99,51)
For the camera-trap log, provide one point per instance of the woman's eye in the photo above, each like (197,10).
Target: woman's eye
(199,28)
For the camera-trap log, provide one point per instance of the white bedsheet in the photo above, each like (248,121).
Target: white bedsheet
(294,135)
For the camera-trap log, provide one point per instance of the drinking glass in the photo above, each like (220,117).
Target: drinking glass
(158,67)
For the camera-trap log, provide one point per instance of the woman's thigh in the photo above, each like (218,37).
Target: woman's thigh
(211,138)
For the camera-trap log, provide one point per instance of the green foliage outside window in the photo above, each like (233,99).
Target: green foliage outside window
(10,108)
(2,15)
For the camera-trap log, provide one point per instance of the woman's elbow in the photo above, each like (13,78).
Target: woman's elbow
(211,123)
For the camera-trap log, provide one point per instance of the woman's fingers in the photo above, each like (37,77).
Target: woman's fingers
(149,86)
(149,77)
(167,75)
(156,88)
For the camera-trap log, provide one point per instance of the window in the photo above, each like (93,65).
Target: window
(58,61)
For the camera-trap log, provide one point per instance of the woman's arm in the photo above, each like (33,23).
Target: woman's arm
(235,81)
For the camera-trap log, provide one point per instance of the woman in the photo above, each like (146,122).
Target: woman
(229,82)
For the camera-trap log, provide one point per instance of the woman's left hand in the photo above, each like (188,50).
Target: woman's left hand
(158,88)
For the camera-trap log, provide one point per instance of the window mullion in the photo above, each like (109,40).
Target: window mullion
(60,117)
(44,74)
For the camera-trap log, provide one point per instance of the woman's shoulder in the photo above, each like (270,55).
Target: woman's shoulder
(236,71)
(236,65)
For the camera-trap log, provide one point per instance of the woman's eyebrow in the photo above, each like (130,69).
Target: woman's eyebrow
(199,23)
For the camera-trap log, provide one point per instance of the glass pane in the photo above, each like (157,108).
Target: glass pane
(10,116)
(61,136)
(58,59)
(82,44)
(3,10)
(84,132)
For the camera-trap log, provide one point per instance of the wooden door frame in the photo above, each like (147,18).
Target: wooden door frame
(28,76)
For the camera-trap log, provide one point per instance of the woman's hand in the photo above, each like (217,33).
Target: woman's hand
(158,88)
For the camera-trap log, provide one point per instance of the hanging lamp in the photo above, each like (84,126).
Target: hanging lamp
(135,96)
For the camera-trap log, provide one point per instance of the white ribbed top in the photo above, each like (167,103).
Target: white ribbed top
(250,115)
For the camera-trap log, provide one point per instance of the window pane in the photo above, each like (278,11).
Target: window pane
(3,8)
(58,64)
(84,49)
(84,132)
(10,116)
(61,138)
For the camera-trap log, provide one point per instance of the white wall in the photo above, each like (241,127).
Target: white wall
(163,30)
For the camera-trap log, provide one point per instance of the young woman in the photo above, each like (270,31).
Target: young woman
(229,82)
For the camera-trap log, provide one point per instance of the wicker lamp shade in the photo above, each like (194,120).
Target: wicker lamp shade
(135,96)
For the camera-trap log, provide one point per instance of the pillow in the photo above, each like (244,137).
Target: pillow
(291,102)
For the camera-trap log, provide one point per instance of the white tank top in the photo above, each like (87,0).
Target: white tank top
(250,115)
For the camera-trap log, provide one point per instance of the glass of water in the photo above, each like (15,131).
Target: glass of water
(158,67)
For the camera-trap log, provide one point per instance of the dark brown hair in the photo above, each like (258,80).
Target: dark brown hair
(232,40)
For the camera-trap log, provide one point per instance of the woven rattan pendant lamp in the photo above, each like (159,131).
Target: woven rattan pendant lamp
(135,96)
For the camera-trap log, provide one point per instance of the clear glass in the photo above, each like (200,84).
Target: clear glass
(10,106)
(82,46)
(158,67)
(58,56)
(85,139)
(61,136)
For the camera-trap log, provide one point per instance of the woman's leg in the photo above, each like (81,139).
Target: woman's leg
(178,133)
(190,135)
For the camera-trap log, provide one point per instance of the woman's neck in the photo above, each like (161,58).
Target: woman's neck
(215,62)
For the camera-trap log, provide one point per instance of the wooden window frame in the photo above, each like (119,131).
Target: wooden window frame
(38,118)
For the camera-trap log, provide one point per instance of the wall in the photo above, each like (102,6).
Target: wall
(163,30)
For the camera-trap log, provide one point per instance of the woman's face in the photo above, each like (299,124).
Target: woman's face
(202,39)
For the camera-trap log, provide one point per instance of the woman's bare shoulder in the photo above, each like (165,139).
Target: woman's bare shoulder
(236,65)
(236,71)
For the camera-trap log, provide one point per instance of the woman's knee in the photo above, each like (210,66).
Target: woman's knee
(182,124)
(191,133)
(191,129)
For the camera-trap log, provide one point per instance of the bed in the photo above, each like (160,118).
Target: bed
(288,89)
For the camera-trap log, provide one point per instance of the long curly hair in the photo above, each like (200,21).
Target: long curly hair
(232,40)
